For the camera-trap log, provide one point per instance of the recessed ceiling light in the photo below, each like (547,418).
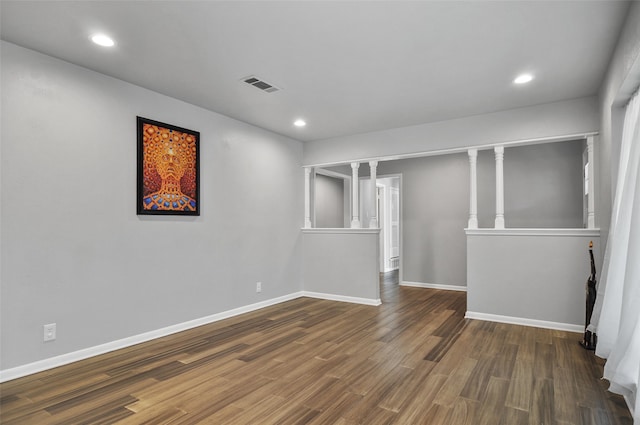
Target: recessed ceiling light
(299,123)
(103,40)
(523,78)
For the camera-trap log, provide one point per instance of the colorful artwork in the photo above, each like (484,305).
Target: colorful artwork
(168,169)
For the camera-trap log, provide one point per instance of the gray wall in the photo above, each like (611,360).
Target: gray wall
(531,277)
(621,80)
(74,252)
(342,264)
(329,201)
(543,185)
(548,120)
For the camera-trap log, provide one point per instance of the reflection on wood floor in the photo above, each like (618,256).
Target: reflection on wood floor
(413,360)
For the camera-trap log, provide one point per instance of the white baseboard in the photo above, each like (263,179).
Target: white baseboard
(524,322)
(343,298)
(434,286)
(52,362)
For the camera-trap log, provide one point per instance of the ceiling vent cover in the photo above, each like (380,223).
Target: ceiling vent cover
(258,83)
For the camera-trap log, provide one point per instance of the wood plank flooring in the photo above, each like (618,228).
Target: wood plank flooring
(413,360)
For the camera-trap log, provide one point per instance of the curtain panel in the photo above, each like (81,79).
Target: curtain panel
(616,315)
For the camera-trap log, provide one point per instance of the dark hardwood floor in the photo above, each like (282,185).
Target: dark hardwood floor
(413,360)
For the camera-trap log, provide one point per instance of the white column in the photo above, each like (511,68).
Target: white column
(591,214)
(473,193)
(307,197)
(373,223)
(355,184)
(499,152)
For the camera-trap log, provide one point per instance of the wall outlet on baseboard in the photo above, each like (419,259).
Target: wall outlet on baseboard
(50,332)
(258,286)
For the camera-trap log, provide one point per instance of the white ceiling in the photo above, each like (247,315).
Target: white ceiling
(346,67)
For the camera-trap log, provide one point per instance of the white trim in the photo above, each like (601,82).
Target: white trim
(381,196)
(499,156)
(401,221)
(473,188)
(435,286)
(307,196)
(340,230)
(533,232)
(374,221)
(568,327)
(334,174)
(52,362)
(342,298)
(355,196)
(591,212)
(522,142)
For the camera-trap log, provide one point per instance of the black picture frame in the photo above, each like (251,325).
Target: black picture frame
(168,178)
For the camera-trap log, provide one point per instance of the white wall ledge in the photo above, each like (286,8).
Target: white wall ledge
(532,232)
(339,230)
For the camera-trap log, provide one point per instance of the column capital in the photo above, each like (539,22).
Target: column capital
(355,165)
(499,151)
(373,164)
(473,153)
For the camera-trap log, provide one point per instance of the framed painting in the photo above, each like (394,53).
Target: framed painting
(168,169)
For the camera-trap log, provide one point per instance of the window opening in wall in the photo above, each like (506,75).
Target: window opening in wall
(331,199)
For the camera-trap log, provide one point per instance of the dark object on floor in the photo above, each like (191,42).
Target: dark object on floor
(590,339)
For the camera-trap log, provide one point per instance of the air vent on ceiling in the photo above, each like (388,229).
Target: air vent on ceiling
(262,85)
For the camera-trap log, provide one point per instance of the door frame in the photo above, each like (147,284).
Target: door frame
(382,243)
(401,221)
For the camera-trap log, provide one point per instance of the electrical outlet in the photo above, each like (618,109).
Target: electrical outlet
(50,332)
(259,287)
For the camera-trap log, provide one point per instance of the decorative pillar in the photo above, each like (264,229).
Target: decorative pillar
(473,198)
(355,184)
(591,214)
(499,152)
(373,223)
(307,197)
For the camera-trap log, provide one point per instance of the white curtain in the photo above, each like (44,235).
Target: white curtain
(616,315)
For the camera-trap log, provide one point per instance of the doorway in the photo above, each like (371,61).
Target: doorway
(388,211)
